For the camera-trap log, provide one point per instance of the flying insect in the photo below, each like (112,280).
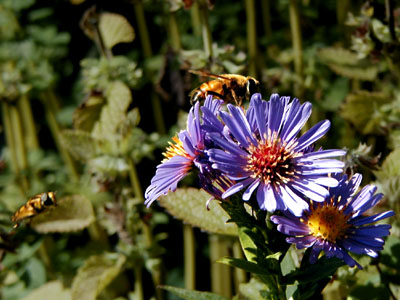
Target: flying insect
(232,88)
(33,207)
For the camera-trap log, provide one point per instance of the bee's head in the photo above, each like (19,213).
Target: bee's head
(252,87)
(48,199)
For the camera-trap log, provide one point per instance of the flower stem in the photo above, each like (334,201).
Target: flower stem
(205,29)
(20,148)
(9,136)
(251,37)
(266,13)
(138,282)
(147,52)
(56,132)
(174,32)
(195,16)
(390,19)
(29,126)
(190,257)
(297,45)
(220,274)
(148,236)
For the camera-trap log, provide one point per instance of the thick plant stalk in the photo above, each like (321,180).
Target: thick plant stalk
(220,274)
(20,148)
(190,257)
(251,37)
(174,32)
(31,138)
(205,29)
(266,16)
(9,136)
(56,132)
(195,17)
(138,283)
(297,44)
(137,189)
(146,46)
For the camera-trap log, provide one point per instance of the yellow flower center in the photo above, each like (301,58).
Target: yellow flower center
(327,221)
(175,149)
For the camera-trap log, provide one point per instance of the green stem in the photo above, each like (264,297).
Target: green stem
(251,37)
(297,44)
(390,19)
(195,16)
(56,132)
(147,52)
(142,27)
(32,141)
(220,274)
(266,15)
(148,236)
(138,282)
(189,256)
(174,32)
(205,29)
(9,136)
(20,148)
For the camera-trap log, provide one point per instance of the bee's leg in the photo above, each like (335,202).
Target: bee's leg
(236,98)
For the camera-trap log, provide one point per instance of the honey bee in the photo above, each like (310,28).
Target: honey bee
(228,87)
(34,206)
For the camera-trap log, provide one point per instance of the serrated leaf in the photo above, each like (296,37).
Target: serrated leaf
(189,205)
(86,115)
(72,213)
(113,113)
(97,272)
(192,295)
(362,109)
(244,264)
(80,144)
(115,29)
(110,165)
(390,167)
(50,291)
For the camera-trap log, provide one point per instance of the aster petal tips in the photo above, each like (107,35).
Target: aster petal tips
(338,226)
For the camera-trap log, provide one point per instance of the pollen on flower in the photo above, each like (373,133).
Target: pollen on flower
(174,149)
(270,161)
(327,221)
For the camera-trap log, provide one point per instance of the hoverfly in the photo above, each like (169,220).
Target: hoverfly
(34,206)
(228,87)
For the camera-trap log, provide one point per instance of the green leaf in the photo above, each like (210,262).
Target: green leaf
(338,56)
(189,205)
(113,113)
(323,268)
(362,109)
(49,291)
(390,167)
(192,295)
(251,290)
(86,115)
(366,73)
(244,264)
(97,272)
(72,213)
(248,245)
(115,29)
(80,144)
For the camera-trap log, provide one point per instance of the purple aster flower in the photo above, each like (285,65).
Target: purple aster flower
(188,152)
(261,151)
(337,225)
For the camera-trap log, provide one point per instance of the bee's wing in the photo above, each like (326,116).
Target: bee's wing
(208,74)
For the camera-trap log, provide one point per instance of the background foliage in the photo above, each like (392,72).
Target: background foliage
(91,92)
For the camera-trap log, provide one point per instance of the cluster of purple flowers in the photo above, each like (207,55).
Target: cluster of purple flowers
(258,152)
